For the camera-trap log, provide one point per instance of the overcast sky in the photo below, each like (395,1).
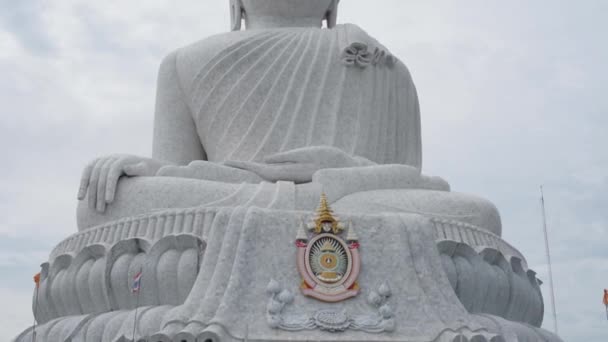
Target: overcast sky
(513,95)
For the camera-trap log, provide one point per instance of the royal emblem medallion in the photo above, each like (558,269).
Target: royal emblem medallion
(329,264)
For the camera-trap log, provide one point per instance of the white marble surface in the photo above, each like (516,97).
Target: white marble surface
(251,126)
(242,249)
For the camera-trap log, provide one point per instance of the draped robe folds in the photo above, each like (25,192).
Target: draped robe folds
(266,91)
(207,249)
(255,93)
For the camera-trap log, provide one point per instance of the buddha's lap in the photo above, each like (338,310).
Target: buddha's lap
(441,204)
(141,195)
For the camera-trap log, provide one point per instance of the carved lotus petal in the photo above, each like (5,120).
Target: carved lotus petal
(378,56)
(364,59)
(357,54)
(285,297)
(349,60)
(332,320)
(389,325)
(386,311)
(357,46)
(374,298)
(274,307)
(273,287)
(384,290)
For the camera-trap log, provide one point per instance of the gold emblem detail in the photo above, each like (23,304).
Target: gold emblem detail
(325,221)
(328,263)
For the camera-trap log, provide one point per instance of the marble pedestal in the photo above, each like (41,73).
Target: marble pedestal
(207,271)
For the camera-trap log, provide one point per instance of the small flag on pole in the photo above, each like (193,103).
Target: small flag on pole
(37,280)
(136,282)
(606,301)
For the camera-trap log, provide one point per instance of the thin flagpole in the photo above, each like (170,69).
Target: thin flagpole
(552,292)
(137,305)
(135,319)
(35,313)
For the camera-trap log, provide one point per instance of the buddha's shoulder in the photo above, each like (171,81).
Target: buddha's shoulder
(205,49)
(353,31)
(215,43)
(202,51)
(189,59)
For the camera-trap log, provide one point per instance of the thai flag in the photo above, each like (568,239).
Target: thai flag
(136,282)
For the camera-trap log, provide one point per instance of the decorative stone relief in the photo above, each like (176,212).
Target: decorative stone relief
(358,54)
(97,279)
(486,282)
(380,319)
(329,264)
(466,334)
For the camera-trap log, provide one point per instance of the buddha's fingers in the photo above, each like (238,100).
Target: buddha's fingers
(116,170)
(84,180)
(93,183)
(101,184)
(137,169)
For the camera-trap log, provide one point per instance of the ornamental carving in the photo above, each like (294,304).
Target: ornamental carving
(359,55)
(379,319)
(328,264)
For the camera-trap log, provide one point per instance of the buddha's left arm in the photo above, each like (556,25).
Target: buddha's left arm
(175,142)
(175,138)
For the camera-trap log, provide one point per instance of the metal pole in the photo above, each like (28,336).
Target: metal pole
(137,305)
(35,313)
(552,292)
(135,319)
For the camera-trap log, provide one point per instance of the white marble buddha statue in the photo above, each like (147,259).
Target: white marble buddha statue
(274,114)
(251,127)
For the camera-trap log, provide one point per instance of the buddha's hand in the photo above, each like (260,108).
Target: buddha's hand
(299,165)
(100,177)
